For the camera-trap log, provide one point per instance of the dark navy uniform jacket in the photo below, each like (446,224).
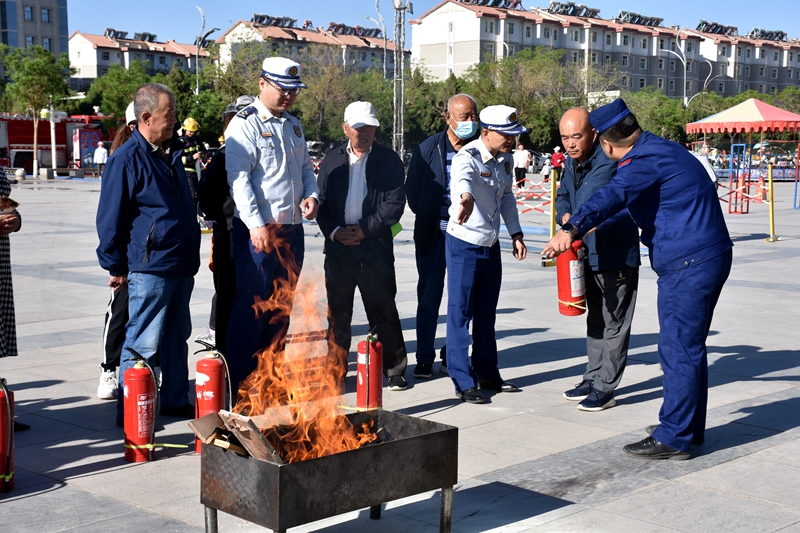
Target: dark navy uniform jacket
(615,244)
(669,196)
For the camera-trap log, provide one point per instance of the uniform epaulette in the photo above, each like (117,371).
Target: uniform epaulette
(247,111)
(474,152)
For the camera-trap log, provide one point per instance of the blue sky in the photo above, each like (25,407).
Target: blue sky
(180,20)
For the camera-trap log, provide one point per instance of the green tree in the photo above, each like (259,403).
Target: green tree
(657,113)
(36,77)
(181,83)
(115,89)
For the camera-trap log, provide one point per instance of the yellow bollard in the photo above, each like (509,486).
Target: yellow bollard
(772,237)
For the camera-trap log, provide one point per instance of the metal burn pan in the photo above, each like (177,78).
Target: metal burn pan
(411,456)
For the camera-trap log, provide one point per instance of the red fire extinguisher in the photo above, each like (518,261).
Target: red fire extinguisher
(571,281)
(6,436)
(209,386)
(369,384)
(140,411)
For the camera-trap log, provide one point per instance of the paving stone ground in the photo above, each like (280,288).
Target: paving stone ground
(528,461)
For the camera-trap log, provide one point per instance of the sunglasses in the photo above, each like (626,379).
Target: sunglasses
(285,92)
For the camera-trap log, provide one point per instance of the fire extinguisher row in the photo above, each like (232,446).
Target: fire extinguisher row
(141,402)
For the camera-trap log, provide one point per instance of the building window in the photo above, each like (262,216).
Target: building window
(688,86)
(625,40)
(644,44)
(163,60)
(747,53)
(791,55)
(723,50)
(761,88)
(671,85)
(594,36)
(643,63)
(672,45)
(574,57)
(739,70)
(661,64)
(608,59)
(608,40)
(688,47)
(512,49)
(721,87)
(527,32)
(773,89)
(790,73)
(747,71)
(30,40)
(511,28)
(672,65)
(488,49)
(688,66)
(574,35)
(489,26)
(661,44)
(721,69)
(105,56)
(450,50)
(760,72)
(555,35)
(775,57)
(739,51)
(746,87)
(28,13)
(624,81)
(624,62)
(103,71)
(660,83)
(738,87)
(179,61)
(450,27)
(594,57)
(642,83)
(546,32)
(45,15)
(46,44)
(774,74)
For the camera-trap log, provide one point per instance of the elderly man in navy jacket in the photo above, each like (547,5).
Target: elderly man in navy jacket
(428,193)
(612,263)
(669,196)
(150,240)
(361,197)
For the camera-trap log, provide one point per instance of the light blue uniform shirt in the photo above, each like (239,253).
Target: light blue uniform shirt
(269,169)
(489,180)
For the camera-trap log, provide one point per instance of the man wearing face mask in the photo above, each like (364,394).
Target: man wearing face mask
(428,194)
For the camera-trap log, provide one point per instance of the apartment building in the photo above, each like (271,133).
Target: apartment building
(35,22)
(92,55)
(454,35)
(357,48)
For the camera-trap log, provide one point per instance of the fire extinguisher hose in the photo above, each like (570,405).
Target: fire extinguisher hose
(213,349)
(576,305)
(10,440)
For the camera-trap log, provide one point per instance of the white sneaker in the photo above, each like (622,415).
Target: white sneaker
(210,337)
(107,390)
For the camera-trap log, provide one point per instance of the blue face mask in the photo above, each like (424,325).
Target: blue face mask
(465,130)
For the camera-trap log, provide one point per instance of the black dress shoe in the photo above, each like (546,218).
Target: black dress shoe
(497,385)
(19,426)
(650,429)
(649,448)
(472,395)
(184,411)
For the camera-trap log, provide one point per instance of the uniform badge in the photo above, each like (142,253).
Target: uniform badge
(266,134)
(624,163)
(508,167)
(297,129)
(512,117)
(486,174)
(293,71)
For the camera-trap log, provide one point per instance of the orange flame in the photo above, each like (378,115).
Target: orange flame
(293,394)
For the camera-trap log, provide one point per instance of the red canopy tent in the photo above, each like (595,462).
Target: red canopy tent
(750,116)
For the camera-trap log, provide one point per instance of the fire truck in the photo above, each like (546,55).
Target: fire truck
(16,141)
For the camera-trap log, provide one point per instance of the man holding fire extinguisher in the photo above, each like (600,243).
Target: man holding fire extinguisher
(612,261)
(481,191)
(669,196)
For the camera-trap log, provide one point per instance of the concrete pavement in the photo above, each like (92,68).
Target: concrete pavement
(528,461)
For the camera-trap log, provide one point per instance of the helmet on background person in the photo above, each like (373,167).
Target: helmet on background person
(191,124)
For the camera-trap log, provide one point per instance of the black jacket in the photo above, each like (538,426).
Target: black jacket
(383,205)
(425,183)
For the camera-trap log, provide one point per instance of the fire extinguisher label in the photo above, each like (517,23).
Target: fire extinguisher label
(145,405)
(577,281)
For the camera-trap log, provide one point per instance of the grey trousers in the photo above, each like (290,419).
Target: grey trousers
(610,301)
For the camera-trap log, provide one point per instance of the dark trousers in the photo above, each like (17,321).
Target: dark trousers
(686,302)
(430,288)
(192,178)
(474,274)
(350,267)
(610,302)
(114,328)
(224,285)
(257,274)
(520,175)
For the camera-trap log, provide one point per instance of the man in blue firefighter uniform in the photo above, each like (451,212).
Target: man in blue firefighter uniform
(274,189)
(481,190)
(670,197)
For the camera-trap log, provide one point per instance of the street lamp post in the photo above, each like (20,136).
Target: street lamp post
(201,37)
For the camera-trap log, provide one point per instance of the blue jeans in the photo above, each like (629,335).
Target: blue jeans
(159,323)
(473,290)
(257,274)
(430,287)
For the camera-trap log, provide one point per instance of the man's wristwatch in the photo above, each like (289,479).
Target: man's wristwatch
(571,229)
